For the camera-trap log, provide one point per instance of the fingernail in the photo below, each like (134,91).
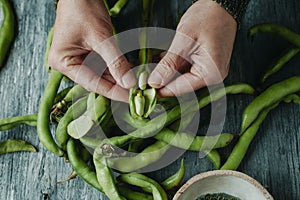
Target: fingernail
(128,80)
(155,80)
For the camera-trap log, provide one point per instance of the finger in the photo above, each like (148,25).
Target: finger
(174,60)
(86,77)
(183,84)
(111,91)
(183,69)
(117,63)
(166,70)
(197,78)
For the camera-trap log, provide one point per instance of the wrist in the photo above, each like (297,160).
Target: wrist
(236,8)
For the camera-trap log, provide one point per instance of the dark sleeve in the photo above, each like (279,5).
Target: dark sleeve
(236,8)
(55,3)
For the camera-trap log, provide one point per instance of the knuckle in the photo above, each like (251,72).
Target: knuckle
(119,63)
(119,66)
(168,64)
(165,70)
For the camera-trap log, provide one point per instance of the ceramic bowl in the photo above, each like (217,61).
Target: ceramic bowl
(234,183)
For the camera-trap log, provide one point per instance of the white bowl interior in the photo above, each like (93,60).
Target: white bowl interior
(241,186)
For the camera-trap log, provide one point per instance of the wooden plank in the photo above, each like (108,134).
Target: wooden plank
(273,158)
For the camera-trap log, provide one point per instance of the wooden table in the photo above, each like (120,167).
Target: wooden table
(273,158)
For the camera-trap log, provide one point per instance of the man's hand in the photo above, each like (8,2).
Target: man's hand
(200,51)
(81,27)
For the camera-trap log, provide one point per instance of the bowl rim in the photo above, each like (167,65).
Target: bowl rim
(237,174)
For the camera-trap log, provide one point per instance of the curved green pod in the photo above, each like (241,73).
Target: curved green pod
(10,146)
(273,94)
(6,29)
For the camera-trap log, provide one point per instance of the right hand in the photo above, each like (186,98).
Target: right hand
(200,51)
(80,28)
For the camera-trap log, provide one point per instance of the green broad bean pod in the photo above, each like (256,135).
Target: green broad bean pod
(142,102)
(271,95)
(240,149)
(194,143)
(90,142)
(133,195)
(276,29)
(97,108)
(237,88)
(215,158)
(6,29)
(75,93)
(66,97)
(76,110)
(105,177)
(280,62)
(175,180)
(61,95)
(116,9)
(80,166)
(9,123)
(43,128)
(149,155)
(10,146)
(144,182)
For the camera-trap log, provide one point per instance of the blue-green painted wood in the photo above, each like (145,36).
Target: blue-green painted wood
(273,158)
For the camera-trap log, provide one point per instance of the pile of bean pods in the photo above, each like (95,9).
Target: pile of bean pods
(86,124)
(108,143)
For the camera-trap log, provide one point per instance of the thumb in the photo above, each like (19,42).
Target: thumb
(166,70)
(117,63)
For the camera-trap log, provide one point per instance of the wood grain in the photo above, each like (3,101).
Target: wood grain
(273,158)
